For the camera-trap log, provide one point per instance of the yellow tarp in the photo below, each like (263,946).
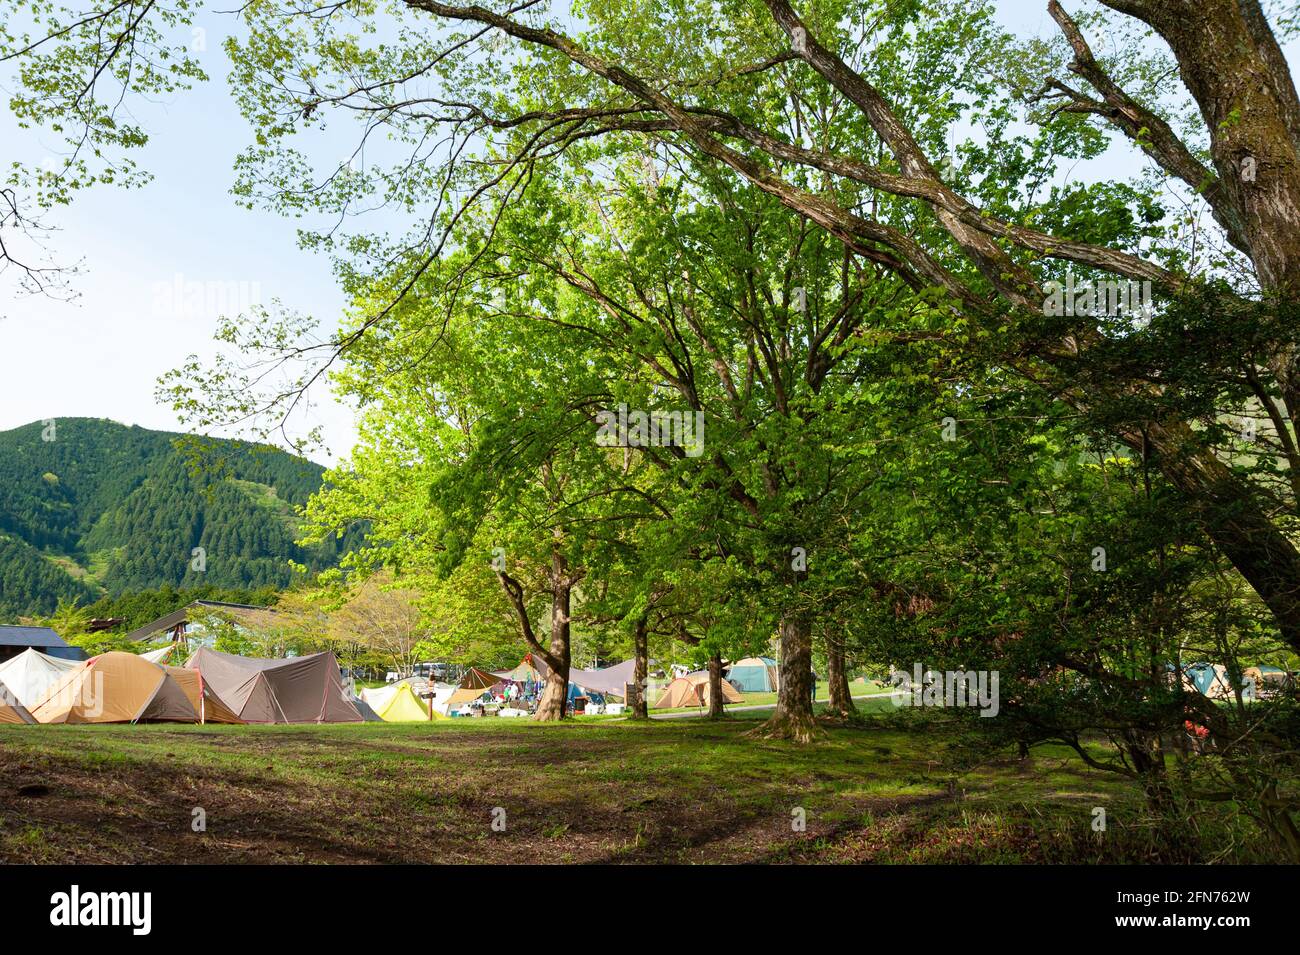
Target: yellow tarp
(406,707)
(461,696)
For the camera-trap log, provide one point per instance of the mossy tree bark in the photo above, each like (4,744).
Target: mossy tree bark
(793,718)
(640,672)
(841,703)
(715,688)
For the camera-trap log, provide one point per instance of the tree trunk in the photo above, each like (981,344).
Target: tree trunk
(640,673)
(793,718)
(555,695)
(841,700)
(715,687)
(1233,518)
(1232,65)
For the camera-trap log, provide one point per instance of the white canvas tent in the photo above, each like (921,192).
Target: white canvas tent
(31,673)
(379,697)
(11,711)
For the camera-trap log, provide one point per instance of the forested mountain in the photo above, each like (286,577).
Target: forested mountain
(91,507)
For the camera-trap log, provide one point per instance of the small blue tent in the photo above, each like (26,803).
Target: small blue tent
(576,691)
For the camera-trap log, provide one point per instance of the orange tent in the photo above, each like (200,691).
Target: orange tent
(125,688)
(201,696)
(693,690)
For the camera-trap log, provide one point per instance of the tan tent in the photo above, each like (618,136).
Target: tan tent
(462,695)
(116,688)
(297,690)
(12,711)
(201,696)
(529,670)
(1266,675)
(693,690)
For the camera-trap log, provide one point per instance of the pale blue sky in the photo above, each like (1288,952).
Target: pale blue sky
(101,355)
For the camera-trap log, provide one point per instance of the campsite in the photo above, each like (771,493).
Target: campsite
(289,765)
(674,433)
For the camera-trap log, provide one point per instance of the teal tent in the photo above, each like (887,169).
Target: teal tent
(754,675)
(1201,675)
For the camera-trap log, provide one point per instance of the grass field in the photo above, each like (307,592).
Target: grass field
(584,791)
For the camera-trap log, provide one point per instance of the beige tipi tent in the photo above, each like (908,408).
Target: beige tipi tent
(117,688)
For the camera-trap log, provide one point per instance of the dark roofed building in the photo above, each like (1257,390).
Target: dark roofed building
(179,623)
(14,640)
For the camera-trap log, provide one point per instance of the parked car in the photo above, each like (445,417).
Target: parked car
(432,672)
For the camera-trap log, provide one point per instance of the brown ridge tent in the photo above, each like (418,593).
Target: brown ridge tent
(117,688)
(693,690)
(12,711)
(297,690)
(476,679)
(472,685)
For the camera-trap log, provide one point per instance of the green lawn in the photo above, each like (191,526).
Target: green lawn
(886,790)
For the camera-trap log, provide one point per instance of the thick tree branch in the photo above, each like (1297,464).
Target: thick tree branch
(1152,134)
